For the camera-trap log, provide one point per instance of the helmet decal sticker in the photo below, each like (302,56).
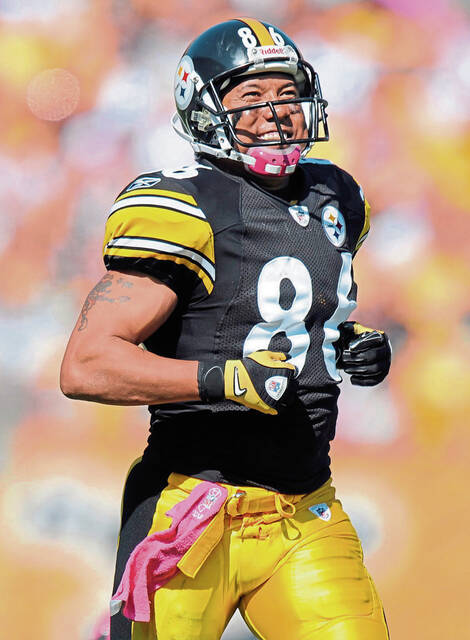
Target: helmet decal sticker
(184,86)
(248,37)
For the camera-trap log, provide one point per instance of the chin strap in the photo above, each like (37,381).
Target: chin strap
(273,162)
(265,161)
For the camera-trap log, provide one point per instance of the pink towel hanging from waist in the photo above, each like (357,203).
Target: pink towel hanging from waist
(154,560)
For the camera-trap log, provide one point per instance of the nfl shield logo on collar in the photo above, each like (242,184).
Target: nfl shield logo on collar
(300,214)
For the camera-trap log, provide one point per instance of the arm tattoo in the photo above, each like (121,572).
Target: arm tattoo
(100,293)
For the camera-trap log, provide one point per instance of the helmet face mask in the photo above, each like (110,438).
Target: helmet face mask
(230,50)
(226,120)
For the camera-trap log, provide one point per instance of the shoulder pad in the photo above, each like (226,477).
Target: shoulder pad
(351,195)
(157,222)
(182,176)
(358,205)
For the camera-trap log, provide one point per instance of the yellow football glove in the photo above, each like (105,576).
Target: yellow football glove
(260,381)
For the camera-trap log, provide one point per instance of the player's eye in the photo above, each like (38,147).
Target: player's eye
(289,93)
(252,94)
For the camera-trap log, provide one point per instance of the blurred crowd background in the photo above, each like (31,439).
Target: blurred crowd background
(86,94)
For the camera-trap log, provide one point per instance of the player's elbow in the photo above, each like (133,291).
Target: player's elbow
(72,380)
(76,377)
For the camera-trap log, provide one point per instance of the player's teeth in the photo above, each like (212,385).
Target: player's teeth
(270,136)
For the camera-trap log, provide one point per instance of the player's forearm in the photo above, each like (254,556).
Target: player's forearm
(122,373)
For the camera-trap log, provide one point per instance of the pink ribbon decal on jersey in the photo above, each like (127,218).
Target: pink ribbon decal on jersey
(154,560)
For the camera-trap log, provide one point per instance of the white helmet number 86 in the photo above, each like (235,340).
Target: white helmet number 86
(249,39)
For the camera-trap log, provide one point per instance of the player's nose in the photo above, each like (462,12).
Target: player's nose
(282,112)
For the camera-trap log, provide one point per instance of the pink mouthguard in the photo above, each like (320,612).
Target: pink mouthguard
(274,162)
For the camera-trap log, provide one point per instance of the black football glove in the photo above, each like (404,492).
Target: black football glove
(262,380)
(365,354)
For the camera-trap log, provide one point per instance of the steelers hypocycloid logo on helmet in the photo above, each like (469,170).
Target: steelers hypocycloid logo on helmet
(334,225)
(184,86)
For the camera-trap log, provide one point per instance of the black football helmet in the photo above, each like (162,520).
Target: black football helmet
(228,51)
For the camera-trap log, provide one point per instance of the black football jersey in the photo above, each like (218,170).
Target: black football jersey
(252,271)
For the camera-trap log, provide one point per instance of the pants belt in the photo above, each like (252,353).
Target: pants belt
(244,500)
(241,501)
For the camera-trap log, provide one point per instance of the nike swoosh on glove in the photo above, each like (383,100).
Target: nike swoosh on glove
(365,354)
(263,381)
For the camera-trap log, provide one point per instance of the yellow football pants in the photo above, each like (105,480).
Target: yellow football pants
(295,573)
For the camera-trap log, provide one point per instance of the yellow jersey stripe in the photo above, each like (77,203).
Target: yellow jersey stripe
(260,31)
(366,227)
(170,226)
(176,195)
(158,250)
(159,202)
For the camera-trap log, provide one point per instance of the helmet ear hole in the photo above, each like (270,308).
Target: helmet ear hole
(202,118)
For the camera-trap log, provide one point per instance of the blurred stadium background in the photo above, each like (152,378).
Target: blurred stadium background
(86,97)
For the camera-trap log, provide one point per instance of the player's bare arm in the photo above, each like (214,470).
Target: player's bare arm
(103,361)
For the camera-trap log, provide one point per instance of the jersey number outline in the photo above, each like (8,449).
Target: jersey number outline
(291,321)
(186,171)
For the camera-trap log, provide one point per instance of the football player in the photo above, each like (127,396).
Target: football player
(235,273)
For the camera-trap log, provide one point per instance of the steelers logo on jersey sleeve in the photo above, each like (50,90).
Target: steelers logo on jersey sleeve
(184,86)
(334,225)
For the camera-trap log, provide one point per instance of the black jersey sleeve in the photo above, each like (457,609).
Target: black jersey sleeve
(156,227)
